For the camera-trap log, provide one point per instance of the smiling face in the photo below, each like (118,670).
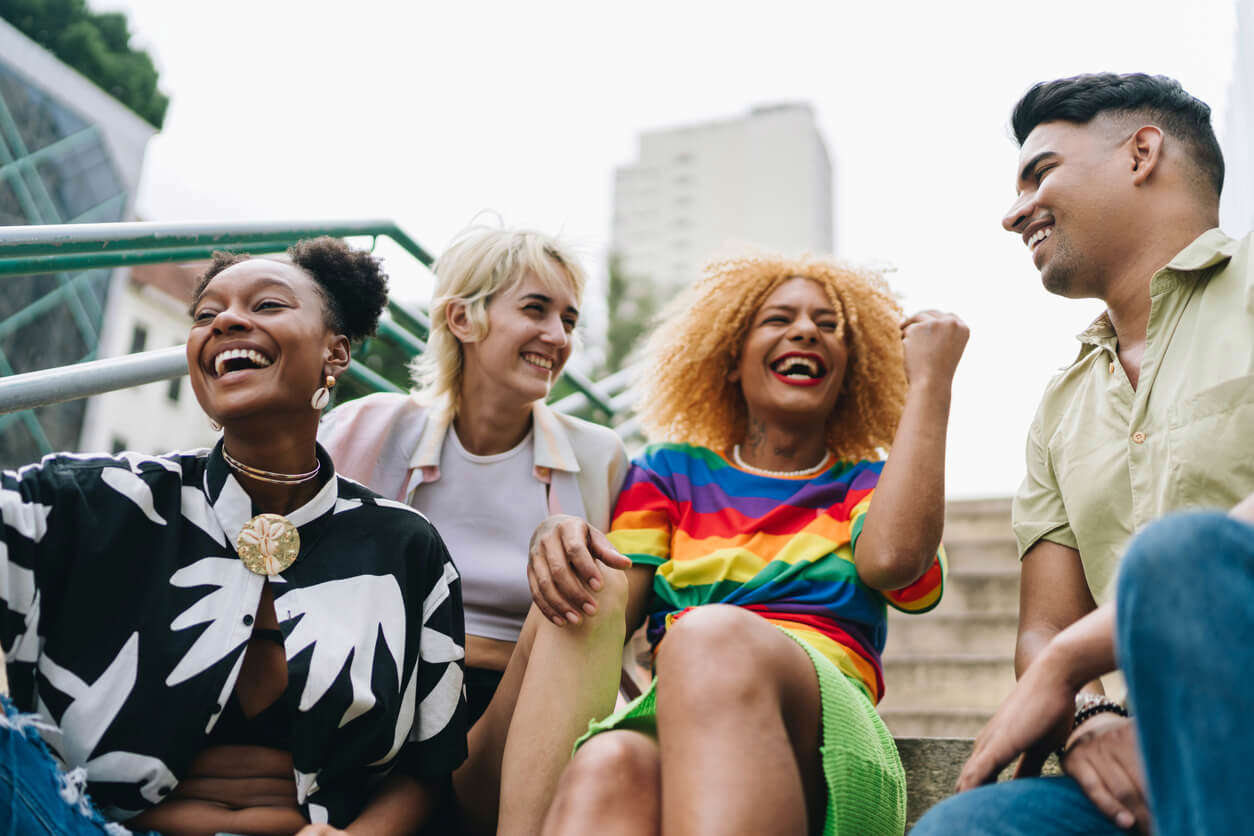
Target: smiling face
(530,328)
(259,342)
(1072,206)
(793,359)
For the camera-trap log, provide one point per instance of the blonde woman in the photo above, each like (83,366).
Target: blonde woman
(476,449)
(767,534)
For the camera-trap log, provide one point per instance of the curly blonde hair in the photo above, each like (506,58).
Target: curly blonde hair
(685,394)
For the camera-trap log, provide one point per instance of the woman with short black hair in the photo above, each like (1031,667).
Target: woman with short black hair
(236,639)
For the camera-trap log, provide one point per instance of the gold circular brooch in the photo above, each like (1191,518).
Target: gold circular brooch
(268,544)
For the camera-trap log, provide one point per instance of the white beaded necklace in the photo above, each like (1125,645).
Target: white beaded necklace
(762,471)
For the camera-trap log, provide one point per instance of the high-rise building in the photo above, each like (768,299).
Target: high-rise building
(1236,209)
(69,153)
(710,189)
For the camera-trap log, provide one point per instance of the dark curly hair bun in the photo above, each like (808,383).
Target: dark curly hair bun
(352,282)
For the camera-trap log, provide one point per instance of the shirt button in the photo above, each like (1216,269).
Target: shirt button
(1138,437)
(248,619)
(163,790)
(217,708)
(1111,368)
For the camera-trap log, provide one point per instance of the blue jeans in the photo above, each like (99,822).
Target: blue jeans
(36,796)
(1185,633)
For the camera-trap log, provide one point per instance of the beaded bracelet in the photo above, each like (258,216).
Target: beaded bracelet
(1087,706)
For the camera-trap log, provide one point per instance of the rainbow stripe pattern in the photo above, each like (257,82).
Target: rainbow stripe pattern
(781,547)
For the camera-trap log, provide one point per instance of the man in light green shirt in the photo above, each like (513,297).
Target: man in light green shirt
(1118,199)
(1105,457)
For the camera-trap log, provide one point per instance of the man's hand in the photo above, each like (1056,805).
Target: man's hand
(1026,723)
(562,567)
(321,830)
(933,344)
(1102,757)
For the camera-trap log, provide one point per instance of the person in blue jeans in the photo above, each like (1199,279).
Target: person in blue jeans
(1179,629)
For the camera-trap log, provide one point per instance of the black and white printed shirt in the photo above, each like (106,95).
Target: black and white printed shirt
(125,614)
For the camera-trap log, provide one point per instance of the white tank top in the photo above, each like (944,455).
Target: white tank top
(486,508)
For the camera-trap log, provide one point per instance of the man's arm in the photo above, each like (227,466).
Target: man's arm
(1053,595)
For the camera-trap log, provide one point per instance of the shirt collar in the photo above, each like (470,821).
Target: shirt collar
(553,448)
(1210,249)
(233,507)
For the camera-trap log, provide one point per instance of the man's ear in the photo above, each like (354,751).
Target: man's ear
(1146,147)
(458,319)
(338,356)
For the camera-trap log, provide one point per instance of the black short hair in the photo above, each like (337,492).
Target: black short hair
(1079,98)
(352,282)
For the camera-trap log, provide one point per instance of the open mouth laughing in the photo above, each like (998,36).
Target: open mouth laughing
(237,360)
(799,369)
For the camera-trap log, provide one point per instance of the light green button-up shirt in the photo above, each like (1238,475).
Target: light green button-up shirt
(1104,459)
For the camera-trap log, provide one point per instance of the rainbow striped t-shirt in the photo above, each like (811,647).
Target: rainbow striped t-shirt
(781,547)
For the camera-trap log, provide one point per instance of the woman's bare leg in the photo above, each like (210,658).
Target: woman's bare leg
(557,679)
(611,788)
(572,677)
(739,726)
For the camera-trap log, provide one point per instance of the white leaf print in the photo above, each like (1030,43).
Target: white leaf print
(222,608)
(306,785)
(93,707)
(17,584)
(29,519)
(438,706)
(151,774)
(134,488)
(197,510)
(343,617)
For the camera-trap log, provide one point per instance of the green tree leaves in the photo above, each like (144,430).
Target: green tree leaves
(97,45)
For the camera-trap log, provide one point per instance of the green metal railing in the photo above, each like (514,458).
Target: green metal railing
(66,248)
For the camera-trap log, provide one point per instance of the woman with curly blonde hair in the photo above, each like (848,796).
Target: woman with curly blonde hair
(767,532)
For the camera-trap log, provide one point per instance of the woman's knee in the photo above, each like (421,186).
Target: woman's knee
(721,651)
(603,766)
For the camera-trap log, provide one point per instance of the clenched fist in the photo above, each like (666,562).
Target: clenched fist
(933,343)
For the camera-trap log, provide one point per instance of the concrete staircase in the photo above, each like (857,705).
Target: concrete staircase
(946,671)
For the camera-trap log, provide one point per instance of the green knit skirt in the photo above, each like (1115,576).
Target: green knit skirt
(866,785)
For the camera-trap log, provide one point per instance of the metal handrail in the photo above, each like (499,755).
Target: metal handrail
(27,250)
(68,247)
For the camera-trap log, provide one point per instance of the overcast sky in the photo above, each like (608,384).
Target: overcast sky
(427,113)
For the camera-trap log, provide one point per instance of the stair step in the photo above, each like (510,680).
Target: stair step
(942,631)
(935,722)
(995,552)
(932,765)
(975,681)
(981,590)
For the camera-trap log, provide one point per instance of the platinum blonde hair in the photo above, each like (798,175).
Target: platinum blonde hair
(481,262)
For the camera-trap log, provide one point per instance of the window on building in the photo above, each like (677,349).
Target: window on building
(172,391)
(139,338)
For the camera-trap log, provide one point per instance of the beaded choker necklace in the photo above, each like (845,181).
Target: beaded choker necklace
(268,475)
(762,471)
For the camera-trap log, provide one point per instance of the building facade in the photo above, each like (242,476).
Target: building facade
(1236,209)
(706,190)
(69,153)
(147,311)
